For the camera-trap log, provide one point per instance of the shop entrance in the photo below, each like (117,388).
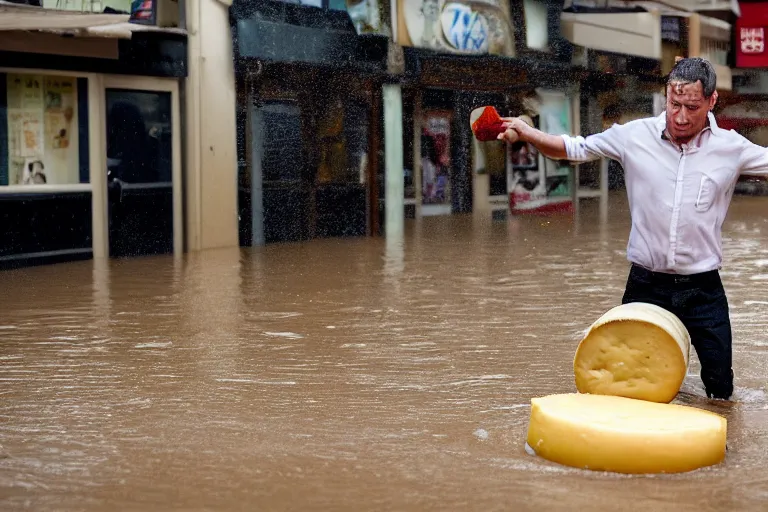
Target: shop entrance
(143,167)
(304,157)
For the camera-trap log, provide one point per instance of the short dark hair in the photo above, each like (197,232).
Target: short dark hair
(692,70)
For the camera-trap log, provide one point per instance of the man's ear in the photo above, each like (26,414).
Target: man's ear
(713,100)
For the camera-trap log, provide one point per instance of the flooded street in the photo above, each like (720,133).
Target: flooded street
(361,374)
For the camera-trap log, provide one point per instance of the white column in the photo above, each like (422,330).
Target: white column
(211,148)
(97,157)
(394,196)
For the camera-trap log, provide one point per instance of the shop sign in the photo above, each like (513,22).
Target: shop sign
(465,29)
(459,26)
(752,40)
(749,35)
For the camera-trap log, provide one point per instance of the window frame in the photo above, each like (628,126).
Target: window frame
(70,187)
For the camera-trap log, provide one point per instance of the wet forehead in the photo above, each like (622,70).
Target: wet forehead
(686,91)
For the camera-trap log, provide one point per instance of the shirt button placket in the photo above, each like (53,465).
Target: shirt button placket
(676,210)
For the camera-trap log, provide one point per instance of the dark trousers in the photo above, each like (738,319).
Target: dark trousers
(699,301)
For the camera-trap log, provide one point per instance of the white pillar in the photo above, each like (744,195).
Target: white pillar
(394,196)
(97,156)
(210,172)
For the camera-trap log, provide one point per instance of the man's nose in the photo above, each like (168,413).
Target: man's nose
(681,117)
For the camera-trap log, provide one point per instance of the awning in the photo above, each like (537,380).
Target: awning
(26,17)
(628,33)
(730,6)
(18,17)
(667,6)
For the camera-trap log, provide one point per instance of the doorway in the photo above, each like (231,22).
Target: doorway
(143,151)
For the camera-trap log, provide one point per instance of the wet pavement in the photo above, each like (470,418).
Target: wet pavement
(363,374)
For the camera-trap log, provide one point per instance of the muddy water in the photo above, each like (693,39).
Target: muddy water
(362,374)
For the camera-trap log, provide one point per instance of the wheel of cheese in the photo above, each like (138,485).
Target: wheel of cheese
(625,435)
(635,350)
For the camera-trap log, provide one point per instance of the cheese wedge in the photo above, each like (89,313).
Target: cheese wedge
(635,350)
(624,435)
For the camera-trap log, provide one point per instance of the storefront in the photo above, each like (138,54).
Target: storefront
(746,109)
(459,56)
(90,153)
(309,90)
(623,50)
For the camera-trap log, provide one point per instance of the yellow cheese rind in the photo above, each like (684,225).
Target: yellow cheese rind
(630,358)
(624,435)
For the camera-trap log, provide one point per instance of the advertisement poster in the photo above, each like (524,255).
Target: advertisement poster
(436,158)
(41,124)
(537,184)
(525,179)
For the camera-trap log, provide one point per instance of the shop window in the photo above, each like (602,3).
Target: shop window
(139,136)
(43,129)
(536,30)
(343,143)
(282,158)
(495,156)
(436,157)
(715,51)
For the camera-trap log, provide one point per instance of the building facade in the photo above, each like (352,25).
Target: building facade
(161,127)
(90,133)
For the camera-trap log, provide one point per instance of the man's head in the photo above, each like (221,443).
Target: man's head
(691,95)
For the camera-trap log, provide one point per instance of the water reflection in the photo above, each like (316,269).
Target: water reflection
(345,374)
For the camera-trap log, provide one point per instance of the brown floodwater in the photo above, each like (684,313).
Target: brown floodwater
(358,374)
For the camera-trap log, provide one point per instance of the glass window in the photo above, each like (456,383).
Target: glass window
(536,30)
(282,159)
(342,142)
(139,136)
(43,129)
(436,158)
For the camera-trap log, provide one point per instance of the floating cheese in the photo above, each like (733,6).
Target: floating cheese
(624,435)
(635,350)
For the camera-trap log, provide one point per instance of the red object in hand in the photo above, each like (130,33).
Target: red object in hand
(488,126)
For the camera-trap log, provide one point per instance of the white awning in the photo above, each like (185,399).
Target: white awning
(17,17)
(628,33)
(26,17)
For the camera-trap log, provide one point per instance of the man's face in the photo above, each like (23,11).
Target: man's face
(687,110)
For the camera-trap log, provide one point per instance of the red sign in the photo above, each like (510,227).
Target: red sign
(752,40)
(749,34)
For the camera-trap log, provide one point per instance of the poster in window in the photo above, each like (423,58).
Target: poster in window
(436,158)
(525,181)
(42,129)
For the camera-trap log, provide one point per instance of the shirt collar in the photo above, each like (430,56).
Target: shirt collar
(661,125)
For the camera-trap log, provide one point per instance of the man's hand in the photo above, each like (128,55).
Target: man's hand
(515,129)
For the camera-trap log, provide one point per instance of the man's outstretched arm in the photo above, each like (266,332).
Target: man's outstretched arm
(607,144)
(551,146)
(754,159)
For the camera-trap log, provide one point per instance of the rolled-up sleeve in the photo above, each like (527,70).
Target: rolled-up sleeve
(608,144)
(754,159)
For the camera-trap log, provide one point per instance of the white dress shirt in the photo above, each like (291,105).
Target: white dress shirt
(678,195)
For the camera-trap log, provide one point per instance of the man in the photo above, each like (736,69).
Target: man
(680,172)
